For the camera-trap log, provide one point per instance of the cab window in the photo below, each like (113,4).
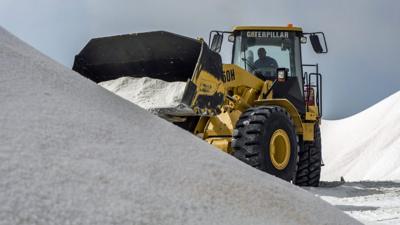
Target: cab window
(261,52)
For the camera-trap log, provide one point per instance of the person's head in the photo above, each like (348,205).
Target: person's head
(262,53)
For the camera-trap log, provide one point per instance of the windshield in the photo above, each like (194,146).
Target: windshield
(262,52)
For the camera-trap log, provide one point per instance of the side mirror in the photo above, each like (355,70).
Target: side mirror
(316,42)
(217,42)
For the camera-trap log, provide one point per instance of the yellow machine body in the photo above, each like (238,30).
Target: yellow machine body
(248,91)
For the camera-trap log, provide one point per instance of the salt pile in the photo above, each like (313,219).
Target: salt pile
(73,153)
(365,146)
(146,92)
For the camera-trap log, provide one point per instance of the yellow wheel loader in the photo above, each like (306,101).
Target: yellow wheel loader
(264,108)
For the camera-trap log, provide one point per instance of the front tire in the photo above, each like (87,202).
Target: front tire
(265,138)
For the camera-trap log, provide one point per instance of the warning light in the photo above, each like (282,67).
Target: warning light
(290,25)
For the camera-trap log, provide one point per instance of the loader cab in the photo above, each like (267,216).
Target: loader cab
(283,50)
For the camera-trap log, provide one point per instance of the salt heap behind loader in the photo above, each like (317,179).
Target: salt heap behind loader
(264,110)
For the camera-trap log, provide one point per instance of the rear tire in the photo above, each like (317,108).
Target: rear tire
(310,161)
(265,138)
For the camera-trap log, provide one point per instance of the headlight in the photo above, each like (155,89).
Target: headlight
(282,74)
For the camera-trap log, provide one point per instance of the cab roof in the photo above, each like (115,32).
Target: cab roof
(290,27)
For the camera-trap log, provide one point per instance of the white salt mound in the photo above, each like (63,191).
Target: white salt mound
(146,92)
(365,146)
(73,153)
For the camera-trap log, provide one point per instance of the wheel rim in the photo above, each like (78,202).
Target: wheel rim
(279,149)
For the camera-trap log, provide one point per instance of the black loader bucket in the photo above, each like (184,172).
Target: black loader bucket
(160,55)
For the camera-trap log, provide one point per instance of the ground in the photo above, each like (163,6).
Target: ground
(370,202)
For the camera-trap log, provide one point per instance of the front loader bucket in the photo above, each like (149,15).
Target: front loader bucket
(160,55)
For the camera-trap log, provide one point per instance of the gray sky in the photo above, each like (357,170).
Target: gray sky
(360,69)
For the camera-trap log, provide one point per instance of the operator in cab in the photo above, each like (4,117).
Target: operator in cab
(264,61)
